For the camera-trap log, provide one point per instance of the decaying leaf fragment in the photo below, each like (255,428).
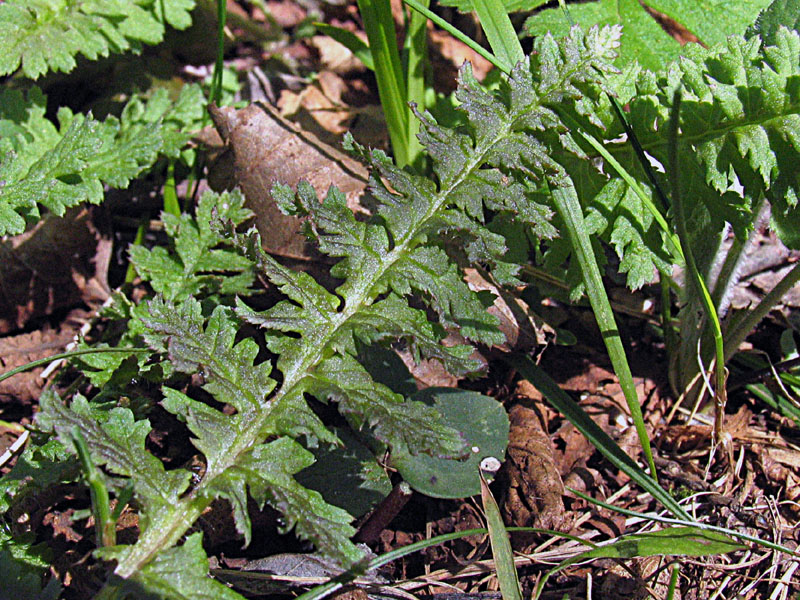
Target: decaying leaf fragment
(33,283)
(264,148)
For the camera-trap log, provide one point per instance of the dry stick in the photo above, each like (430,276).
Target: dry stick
(387,510)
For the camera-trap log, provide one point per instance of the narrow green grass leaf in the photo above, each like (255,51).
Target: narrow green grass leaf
(461,37)
(687,523)
(598,438)
(415,59)
(567,204)
(674,541)
(698,286)
(499,31)
(379,25)
(64,355)
(501,545)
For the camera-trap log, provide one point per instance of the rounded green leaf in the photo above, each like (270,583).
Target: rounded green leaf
(483,423)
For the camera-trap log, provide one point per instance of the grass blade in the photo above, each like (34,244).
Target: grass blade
(215,93)
(461,37)
(498,536)
(689,523)
(416,59)
(499,31)
(379,25)
(559,399)
(64,356)
(698,286)
(673,541)
(568,206)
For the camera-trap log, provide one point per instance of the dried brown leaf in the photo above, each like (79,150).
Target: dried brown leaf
(58,263)
(264,148)
(18,350)
(535,489)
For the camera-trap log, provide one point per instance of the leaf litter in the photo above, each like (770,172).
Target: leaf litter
(545,452)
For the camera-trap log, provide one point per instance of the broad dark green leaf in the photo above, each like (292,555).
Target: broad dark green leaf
(644,40)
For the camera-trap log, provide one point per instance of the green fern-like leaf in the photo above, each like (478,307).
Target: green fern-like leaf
(739,126)
(509,142)
(315,332)
(740,122)
(23,566)
(199,265)
(41,165)
(47,35)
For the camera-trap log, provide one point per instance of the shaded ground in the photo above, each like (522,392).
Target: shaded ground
(42,308)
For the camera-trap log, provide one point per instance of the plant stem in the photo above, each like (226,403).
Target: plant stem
(379,26)
(567,205)
(130,274)
(171,204)
(720,394)
(675,570)
(216,79)
(105,527)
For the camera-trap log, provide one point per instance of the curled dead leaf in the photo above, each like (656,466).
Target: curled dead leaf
(263,149)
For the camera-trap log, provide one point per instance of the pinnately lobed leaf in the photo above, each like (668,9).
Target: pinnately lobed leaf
(314,332)
(739,127)
(509,140)
(61,167)
(46,35)
(740,124)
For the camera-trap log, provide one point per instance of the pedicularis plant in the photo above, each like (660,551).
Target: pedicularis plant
(521,153)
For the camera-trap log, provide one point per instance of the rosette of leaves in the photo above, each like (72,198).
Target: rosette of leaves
(491,162)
